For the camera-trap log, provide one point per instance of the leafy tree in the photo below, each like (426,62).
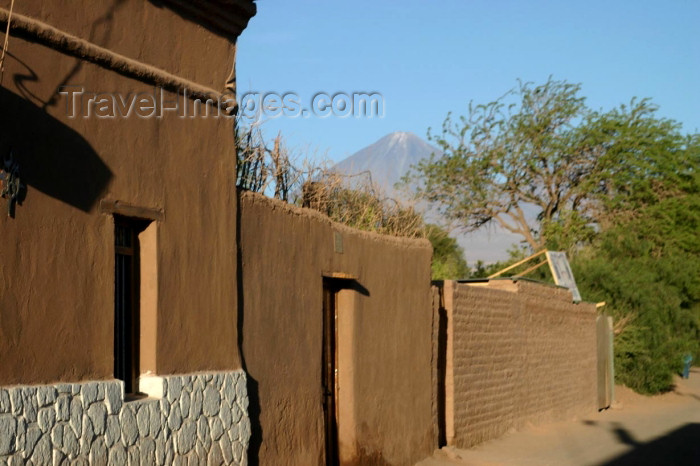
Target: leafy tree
(541,148)
(645,262)
(448,255)
(647,269)
(619,189)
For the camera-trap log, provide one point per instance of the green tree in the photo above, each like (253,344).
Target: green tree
(647,269)
(541,149)
(645,260)
(448,256)
(618,189)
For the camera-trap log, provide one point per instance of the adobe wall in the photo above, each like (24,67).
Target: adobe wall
(560,338)
(161,34)
(58,397)
(384,340)
(57,266)
(522,354)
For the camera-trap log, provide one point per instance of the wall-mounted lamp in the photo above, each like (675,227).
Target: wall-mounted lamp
(10,184)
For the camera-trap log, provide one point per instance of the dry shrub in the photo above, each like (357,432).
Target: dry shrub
(354,200)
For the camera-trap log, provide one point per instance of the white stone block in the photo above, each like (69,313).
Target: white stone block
(71,447)
(154,419)
(211,402)
(89,393)
(175,418)
(46,395)
(8,432)
(98,452)
(76,416)
(174,388)
(42,451)
(97,412)
(142,419)
(114,396)
(196,403)
(130,431)
(59,458)
(113,431)
(117,455)
(148,452)
(16,401)
(187,436)
(151,385)
(5,404)
(216,428)
(57,435)
(225,415)
(226,449)
(63,407)
(185,400)
(46,418)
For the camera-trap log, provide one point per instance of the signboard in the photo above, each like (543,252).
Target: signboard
(561,271)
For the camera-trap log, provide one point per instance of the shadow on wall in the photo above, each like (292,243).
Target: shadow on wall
(252,385)
(53,158)
(680,446)
(100,34)
(354,285)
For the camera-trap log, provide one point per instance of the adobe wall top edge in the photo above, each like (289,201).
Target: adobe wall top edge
(276,204)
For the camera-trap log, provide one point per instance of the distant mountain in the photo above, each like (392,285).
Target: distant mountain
(388,159)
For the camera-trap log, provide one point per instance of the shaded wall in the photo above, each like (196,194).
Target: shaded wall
(384,341)
(57,266)
(517,353)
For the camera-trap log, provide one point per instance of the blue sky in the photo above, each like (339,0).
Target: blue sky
(430,57)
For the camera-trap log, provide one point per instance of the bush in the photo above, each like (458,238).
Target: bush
(647,269)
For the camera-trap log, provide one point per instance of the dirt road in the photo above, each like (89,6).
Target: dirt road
(661,430)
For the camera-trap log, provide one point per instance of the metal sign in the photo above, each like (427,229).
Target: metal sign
(561,271)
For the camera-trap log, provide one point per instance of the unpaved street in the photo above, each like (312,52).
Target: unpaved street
(661,430)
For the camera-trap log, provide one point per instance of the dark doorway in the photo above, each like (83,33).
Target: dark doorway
(329,370)
(441,370)
(126,300)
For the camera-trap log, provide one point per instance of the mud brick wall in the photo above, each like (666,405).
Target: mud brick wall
(383,329)
(522,353)
(559,371)
(487,355)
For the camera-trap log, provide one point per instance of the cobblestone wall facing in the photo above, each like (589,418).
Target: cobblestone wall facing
(522,356)
(200,419)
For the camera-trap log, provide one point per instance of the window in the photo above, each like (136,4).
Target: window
(127,287)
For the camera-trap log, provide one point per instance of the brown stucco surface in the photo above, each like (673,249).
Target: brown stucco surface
(57,263)
(519,357)
(146,30)
(285,251)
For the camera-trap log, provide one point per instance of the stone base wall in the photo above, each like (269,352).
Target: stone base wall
(187,419)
